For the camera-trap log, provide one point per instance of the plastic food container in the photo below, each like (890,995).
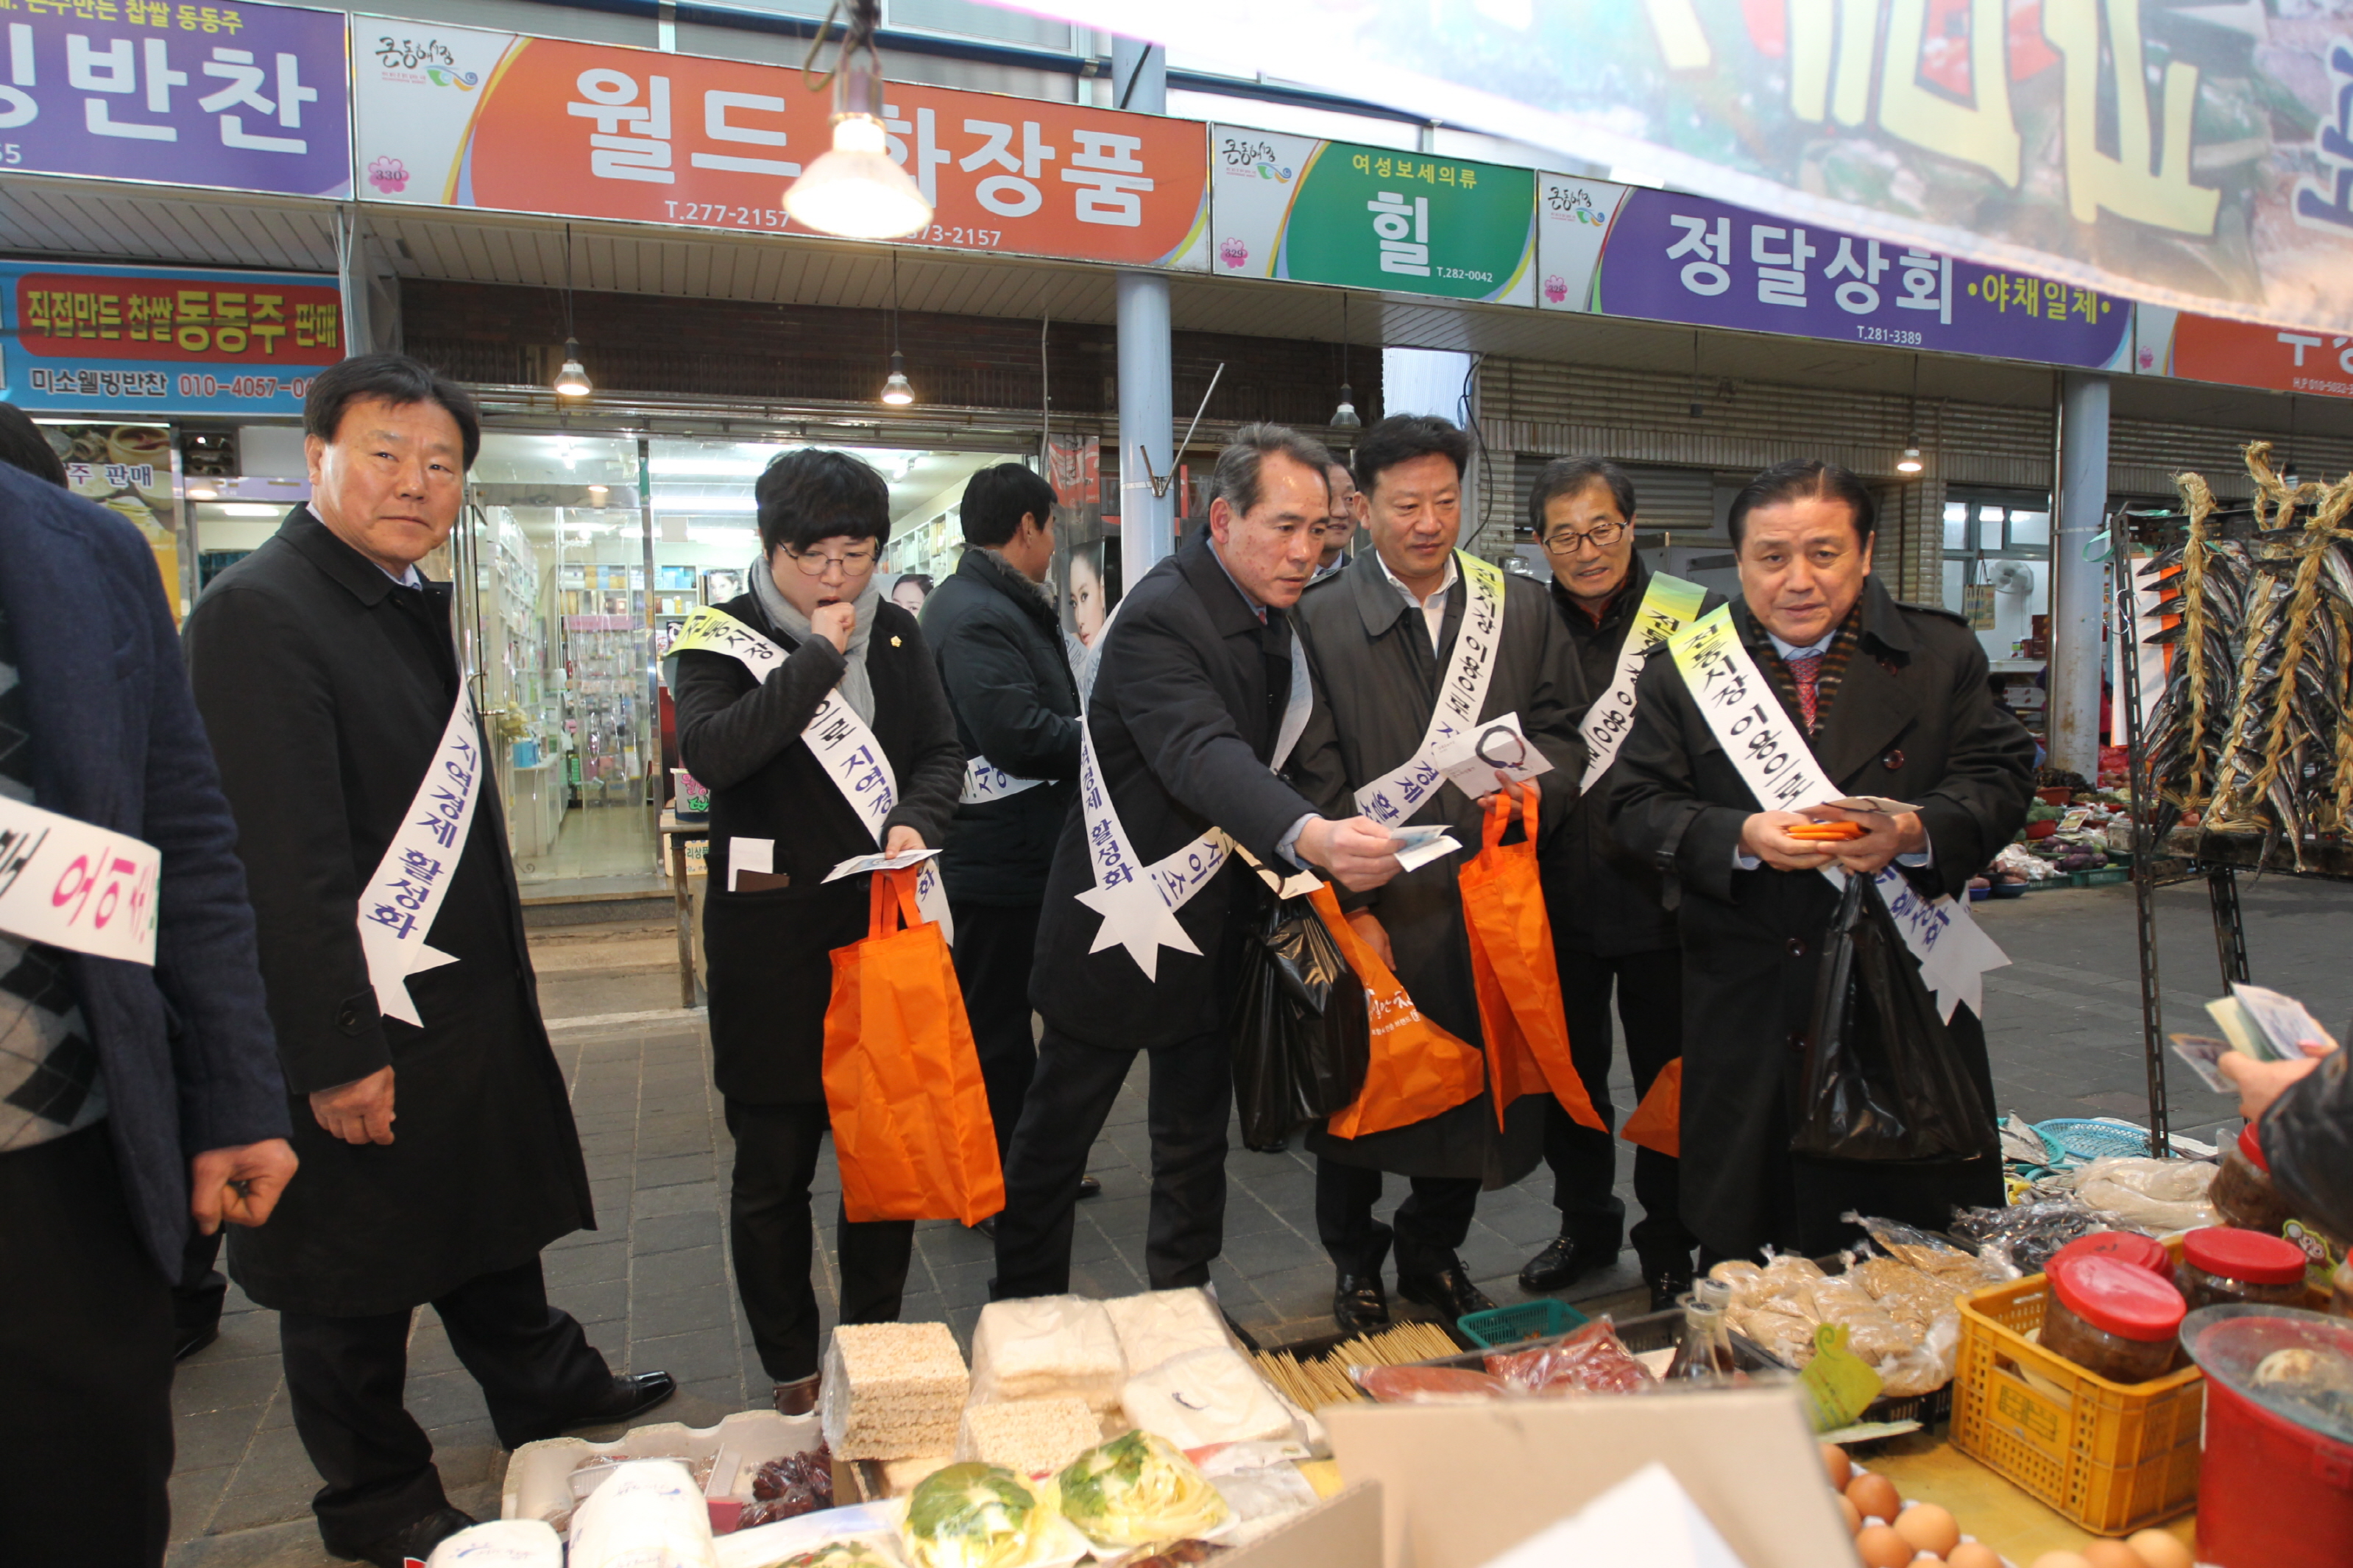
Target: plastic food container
(2114,1320)
(2242,1193)
(2125,1246)
(2340,1298)
(2275,1491)
(2221,1266)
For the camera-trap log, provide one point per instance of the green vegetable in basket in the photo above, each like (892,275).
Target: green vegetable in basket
(2039,811)
(1139,1487)
(972,1516)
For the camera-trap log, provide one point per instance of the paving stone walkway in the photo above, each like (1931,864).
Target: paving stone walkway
(655,1288)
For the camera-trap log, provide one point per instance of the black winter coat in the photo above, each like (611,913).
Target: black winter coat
(326,688)
(1911,719)
(2308,1138)
(1000,656)
(1603,897)
(769,964)
(1188,698)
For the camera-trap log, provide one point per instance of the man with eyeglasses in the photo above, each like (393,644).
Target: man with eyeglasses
(1610,926)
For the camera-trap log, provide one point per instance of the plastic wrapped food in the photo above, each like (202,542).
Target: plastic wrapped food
(841,1555)
(1426,1384)
(789,1487)
(1932,1256)
(891,1391)
(1029,1437)
(2160,1196)
(1137,1489)
(1047,1347)
(1745,1278)
(501,1543)
(1160,1325)
(1788,1338)
(1593,1359)
(649,1514)
(972,1516)
(1178,1554)
(2026,1236)
(1204,1397)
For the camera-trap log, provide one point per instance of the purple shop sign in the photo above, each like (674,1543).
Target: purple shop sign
(1685,258)
(235,97)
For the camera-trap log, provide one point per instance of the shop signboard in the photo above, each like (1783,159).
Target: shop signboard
(236,96)
(1573,219)
(142,341)
(1673,258)
(461,117)
(1371,217)
(2241,354)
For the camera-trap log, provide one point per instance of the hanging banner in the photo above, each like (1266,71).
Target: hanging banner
(1371,217)
(237,98)
(1686,258)
(2197,156)
(2242,353)
(145,341)
(1573,218)
(459,117)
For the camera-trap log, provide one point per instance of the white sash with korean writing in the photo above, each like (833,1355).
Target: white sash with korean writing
(844,747)
(1396,796)
(1668,605)
(398,906)
(67,883)
(1138,903)
(985,781)
(1780,770)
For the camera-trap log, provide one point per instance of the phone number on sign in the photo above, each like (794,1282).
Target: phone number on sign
(1889,335)
(721,215)
(243,386)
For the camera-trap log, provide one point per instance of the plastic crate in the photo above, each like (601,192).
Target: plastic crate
(2103,877)
(1538,1320)
(2110,1456)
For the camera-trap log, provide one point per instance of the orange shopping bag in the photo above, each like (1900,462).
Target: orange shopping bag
(1418,1069)
(1657,1124)
(1512,967)
(903,1085)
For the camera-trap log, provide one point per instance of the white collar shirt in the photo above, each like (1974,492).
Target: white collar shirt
(1433,609)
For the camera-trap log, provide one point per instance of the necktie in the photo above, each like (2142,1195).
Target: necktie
(1806,670)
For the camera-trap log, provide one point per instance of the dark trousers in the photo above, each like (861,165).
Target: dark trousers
(1584,1161)
(995,946)
(1191,1096)
(345,1377)
(86,1361)
(1429,1225)
(776,1239)
(196,1299)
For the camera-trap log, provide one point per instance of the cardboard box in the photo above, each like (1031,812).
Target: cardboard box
(1460,1484)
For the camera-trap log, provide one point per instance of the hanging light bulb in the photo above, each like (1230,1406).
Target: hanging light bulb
(1345,417)
(1910,462)
(571,381)
(895,391)
(855,190)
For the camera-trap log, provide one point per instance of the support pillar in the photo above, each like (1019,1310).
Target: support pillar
(1147,530)
(2077,586)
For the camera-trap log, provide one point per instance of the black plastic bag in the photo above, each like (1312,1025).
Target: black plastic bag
(1302,1041)
(1883,1079)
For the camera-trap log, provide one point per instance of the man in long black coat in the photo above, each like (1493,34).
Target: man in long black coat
(1192,687)
(1382,638)
(1894,702)
(438,1159)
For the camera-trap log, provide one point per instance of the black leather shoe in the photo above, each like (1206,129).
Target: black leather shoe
(1449,1292)
(633,1394)
(1563,1261)
(194,1340)
(1090,1187)
(1668,1278)
(1359,1303)
(987,1227)
(1280,1146)
(417,1540)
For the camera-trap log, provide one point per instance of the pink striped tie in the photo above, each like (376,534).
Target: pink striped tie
(1806,670)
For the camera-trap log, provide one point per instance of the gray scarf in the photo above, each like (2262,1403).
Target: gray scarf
(857,689)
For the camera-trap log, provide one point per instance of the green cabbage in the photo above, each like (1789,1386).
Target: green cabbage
(972,1516)
(1139,1487)
(839,1554)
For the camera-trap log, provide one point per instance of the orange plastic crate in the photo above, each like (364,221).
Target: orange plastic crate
(2111,1456)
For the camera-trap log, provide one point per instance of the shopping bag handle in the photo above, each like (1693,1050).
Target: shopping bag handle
(1499,815)
(893,901)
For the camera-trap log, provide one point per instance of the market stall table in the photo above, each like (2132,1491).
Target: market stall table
(675,835)
(1927,1468)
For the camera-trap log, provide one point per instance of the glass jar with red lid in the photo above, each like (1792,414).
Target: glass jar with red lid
(2242,1192)
(2224,1264)
(2114,1320)
(2126,1246)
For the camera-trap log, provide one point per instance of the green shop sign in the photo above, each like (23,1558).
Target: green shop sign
(1371,217)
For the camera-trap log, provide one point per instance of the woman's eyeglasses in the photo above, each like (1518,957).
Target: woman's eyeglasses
(1601,535)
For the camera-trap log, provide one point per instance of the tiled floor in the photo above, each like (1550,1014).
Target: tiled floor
(655,1288)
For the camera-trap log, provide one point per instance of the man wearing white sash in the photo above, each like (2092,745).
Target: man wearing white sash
(1610,928)
(434,1124)
(1139,946)
(1849,693)
(1415,644)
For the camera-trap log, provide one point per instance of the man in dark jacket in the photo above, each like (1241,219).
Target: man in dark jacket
(1610,923)
(1890,701)
(368,820)
(2303,1115)
(1139,945)
(1409,620)
(137,1089)
(999,649)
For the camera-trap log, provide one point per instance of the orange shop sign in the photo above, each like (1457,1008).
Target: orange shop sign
(117,315)
(461,117)
(2242,353)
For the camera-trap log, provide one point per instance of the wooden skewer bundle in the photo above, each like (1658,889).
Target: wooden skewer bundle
(1324,1380)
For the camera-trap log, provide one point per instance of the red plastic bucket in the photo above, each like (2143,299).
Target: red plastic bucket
(2273,1491)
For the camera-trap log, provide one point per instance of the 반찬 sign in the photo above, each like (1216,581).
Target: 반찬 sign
(459,116)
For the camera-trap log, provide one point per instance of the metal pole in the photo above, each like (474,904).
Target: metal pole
(1146,414)
(2144,847)
(2082,504)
